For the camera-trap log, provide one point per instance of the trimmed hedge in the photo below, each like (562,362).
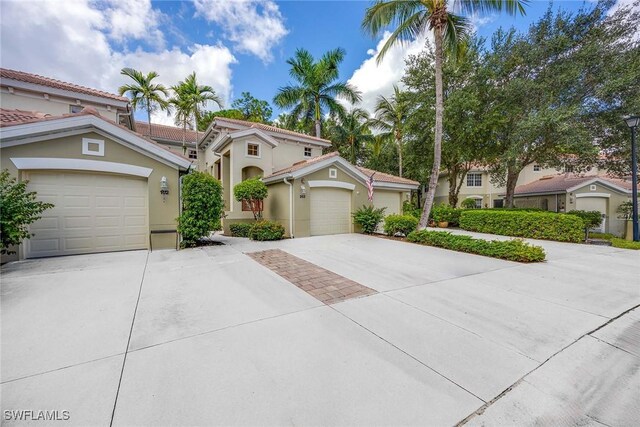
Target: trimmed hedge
(241,229)
(403,224)
(534,225)
(512,250)
(591,219)
(266,230)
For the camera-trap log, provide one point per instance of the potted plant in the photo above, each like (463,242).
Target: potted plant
(441,214)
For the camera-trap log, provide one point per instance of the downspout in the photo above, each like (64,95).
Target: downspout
(290,206)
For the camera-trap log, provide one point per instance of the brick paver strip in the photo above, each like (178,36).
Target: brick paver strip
(318,282)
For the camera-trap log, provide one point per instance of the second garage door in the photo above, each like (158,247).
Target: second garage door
(92,213)
(330,211)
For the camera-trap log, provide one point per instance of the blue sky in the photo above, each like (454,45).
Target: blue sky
(233,46)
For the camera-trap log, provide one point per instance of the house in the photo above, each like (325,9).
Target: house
(567,192)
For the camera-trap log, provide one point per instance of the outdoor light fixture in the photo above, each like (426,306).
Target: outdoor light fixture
(303,190)
(633,122)
(164,188)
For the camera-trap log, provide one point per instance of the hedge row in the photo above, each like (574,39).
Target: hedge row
(534,225)
(240,229)
(261,230)
(512,250)
(399,224)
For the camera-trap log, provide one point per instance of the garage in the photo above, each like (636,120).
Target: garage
(593,204)
(390,200)
(92,213)
(330,211)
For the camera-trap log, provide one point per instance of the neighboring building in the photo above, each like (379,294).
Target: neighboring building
(176,139)
(567,192)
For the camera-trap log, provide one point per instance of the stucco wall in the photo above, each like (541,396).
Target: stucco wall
(614,225)
(162,213)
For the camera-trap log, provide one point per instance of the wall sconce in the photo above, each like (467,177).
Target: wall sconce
(303,190)
(164,188)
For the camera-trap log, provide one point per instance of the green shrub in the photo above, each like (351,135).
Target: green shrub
(201,207)
(403,224)
(408,208)
(468,204)
(534,225)
(591,219)
(266,230)
(512,250)
(616,242)
(18,209)
(251,191)
(240,229)
(368,218)
(443,212)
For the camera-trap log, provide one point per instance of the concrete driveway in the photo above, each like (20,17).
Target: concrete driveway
(210,336)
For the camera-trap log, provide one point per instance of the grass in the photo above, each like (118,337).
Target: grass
(616,242)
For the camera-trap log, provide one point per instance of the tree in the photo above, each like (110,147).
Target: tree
(317,90)
(252,109)
(413,18)
(202,206)
(207,117)
(391,114)
(194,97)
(252,192)
(182,115)
(351,132)
(18,209)
(144,93)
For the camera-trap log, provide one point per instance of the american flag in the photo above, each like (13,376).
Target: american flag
(370,187)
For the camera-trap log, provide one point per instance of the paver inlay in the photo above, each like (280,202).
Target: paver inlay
(322,284)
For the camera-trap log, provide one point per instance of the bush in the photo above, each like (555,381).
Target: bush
(266,230)
(252,191)
(18,209)
(468,204)
(201,207)
(443,212)
(617,242)
(240,229)
(408,208)
(591,219)
(403,224)
(512,250)
(368,218)
(534,225)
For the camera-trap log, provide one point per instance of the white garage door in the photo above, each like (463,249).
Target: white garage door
(330,211)
(389,200)
(594,204)
(92,213)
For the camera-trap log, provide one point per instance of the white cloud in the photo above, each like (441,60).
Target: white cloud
(69,40)
(134,19)
(373,79)
(253,26)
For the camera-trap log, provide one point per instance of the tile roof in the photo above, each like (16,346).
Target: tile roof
(16,117)
(385,177)
(57,84)
(169,133)
(270,128)
(562,182)
(303,164)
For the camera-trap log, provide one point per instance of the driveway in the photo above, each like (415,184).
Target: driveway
(335,330)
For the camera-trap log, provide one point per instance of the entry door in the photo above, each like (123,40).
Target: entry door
(330,211)
(594,204)
(92,213)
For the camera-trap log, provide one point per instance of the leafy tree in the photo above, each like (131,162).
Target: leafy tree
(351,132)
(202,207)
(252,109)
(391,114)
(144,93)
(18,209)
(207,117)
(251,191)
(413,18)
(317,90)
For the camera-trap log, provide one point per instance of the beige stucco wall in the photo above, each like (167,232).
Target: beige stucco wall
(614,225)
(162,213)
(547,202)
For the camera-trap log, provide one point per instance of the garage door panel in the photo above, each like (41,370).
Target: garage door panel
(330,211)
(92,213)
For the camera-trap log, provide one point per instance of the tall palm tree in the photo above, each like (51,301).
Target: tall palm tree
(183,115)
(391,114)
(412,18)
(144,93)
(353,130)
(194,97)
(317,90)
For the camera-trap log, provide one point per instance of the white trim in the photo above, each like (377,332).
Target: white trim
(52,163)
(85,147)
(246,149)
(223,139)
(475,197)
(220,122)
(585,195)
(333,173)
(334,184)
(394,185)
(22,134)
(600,181)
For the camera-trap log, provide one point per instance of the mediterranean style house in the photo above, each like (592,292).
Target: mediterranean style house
(115,182)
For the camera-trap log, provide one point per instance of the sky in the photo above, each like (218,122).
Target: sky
(233,45)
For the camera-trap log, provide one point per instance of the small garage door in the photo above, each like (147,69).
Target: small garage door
(92,213)
(594,204)
(389,200)
(330,211)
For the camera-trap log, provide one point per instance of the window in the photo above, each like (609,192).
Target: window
(92,147)
(192,154)
(568,169)
(253,150)
(474,180)
(307,151)
(537,168)
(333,173)
(478,203)
(73,109)
(498,203)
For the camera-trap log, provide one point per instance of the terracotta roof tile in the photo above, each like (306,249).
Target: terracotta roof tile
(16,117)
(169,133)
(302,164)
(562,182)
(57,84)
(385,177)
(270,128)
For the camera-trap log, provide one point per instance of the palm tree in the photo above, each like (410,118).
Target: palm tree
(391,114)
(183,115)
(193,97)
(316,90)
(144,93)
(353,130)
(413,18)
